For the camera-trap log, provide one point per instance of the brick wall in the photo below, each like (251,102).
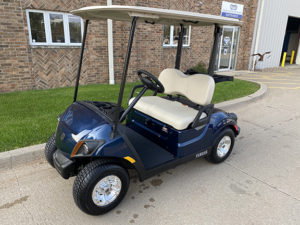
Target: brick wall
(15,69)
(23,67)
(57,66)
(148,52)
(156,58)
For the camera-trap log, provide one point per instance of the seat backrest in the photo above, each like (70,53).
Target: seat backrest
(198,88)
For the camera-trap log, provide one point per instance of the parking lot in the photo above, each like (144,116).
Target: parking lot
(288,79)
(258,184)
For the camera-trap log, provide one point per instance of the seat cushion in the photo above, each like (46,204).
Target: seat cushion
(198,88)
(170,112)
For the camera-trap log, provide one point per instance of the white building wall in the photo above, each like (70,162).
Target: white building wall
(274,18)
(293,7)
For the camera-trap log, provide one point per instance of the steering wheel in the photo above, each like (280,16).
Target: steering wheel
(150,81)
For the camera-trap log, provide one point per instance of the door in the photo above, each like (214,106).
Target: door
(228,48)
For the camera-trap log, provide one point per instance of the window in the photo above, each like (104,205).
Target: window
(57,28)
(75,29)
(171,35)
(37,27)
(54,28)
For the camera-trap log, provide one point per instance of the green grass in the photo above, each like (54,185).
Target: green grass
(29,117)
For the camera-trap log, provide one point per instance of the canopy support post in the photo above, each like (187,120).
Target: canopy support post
(214,52)
(80,60)
(124,75)
(179,47)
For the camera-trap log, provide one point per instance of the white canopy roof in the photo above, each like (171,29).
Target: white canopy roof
(150,15)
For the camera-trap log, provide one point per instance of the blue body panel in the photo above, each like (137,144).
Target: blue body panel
(81,122)
(180,143)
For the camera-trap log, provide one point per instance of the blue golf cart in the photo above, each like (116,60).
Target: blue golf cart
(98,142)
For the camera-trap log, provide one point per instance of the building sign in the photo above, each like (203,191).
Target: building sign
(232,10)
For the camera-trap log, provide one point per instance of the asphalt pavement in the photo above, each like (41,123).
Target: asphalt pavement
(258,184)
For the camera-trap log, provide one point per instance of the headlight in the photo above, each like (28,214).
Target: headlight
(86,147)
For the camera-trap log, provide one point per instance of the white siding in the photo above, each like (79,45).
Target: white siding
(294,8)
(273,26)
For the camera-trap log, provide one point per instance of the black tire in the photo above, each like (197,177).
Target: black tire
(50,148)
(213,156)
(86,180)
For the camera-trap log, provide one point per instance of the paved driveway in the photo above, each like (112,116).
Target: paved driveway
(258,184)
(288,79)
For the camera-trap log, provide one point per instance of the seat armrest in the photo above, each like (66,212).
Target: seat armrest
(132,104)
(133,90)
(136,87)
(208,109)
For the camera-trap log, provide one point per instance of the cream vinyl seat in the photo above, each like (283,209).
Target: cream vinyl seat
(197,88)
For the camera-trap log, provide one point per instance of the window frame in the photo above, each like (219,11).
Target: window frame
(48,34)
(172,38)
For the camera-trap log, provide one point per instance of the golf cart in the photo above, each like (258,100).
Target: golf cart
(92,142)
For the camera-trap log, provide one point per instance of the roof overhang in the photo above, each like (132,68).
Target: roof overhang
(153,15)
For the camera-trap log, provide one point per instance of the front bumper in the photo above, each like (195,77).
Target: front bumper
(238,130)
(63,164)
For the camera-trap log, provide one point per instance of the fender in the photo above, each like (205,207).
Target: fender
(220,121)
(121,150)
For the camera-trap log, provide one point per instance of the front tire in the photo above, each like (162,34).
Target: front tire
(50,148)
(222,147)
(98,188)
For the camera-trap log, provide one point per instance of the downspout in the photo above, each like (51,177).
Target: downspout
(110,48)
(256,34)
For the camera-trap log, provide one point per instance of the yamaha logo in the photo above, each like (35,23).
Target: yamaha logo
(233,7)
(201,154)
(62,136)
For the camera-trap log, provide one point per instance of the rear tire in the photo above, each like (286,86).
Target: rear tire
(222,147)
(50,148)
(100,187)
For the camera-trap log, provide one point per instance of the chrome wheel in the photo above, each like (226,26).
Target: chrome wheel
(106,190)
(224,146)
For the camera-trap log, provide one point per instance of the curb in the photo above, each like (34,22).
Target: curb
(245,100)
(13,158)
(17,157)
